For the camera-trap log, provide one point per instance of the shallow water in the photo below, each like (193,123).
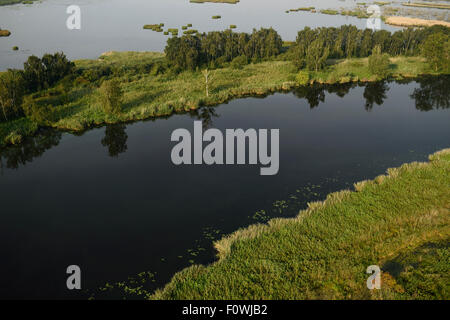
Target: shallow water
(112,202)
(117,25)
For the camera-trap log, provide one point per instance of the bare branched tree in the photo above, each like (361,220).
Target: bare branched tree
(208,79)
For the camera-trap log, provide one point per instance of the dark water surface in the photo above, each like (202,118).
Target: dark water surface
(112,202)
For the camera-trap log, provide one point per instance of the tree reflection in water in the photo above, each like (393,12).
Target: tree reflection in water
(433,93)
(206,115)
(115,139)
(375,93)
(313,94)
(33,147)
(341,90)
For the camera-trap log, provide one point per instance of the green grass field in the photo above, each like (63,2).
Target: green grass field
(10,2)
(399,221)
(147,95)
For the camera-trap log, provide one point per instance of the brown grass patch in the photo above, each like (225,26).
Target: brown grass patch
(414,22)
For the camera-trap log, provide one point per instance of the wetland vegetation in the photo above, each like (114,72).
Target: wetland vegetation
(427,5)
(391,14)
(54,92)
(9,2)
(5,33)
(399,221)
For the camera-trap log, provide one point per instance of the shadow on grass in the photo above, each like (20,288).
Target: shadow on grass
(224,87)
(147,97)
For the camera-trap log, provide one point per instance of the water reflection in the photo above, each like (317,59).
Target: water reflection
(341,90)
(206,115)
(314,94)
(375,93)
(33,147)
(324,151)
(433,93)
(115,139)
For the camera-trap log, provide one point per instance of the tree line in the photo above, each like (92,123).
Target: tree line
(311,49)
(314,46)
(214,48)
(37,74)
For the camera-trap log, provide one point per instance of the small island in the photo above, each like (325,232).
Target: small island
(215,1)
(5,33)
(11,2)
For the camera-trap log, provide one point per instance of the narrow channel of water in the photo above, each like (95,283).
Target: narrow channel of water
(112,202)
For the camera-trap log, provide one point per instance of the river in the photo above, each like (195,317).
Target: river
(111,201)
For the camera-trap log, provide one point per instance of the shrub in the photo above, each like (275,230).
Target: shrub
(379,63)
(40,113)
(239,62)
(157,69)
(15,48)
(111,96)
(221,61)
(12,88)
(14,138)
(302,78)
(299,63)
(95,74)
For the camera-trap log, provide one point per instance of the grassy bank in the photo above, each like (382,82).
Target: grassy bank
(10,2)
(399,221)
(147,95)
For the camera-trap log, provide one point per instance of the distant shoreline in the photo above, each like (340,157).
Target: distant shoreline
(414,22)
(185,91)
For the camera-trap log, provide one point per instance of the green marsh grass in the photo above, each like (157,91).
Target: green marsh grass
(148,92)
(4,33)
(329,11)
(399,221)
(154,27)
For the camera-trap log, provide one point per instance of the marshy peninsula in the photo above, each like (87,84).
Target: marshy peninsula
(86,116)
